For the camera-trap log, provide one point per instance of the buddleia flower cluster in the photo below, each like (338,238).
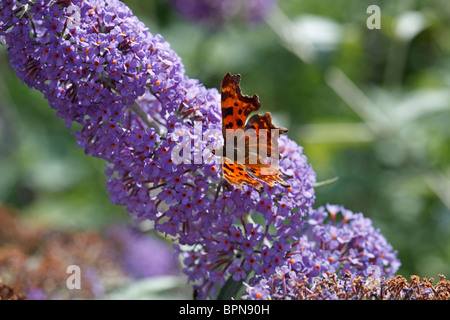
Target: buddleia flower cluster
(100,67)
(334,241)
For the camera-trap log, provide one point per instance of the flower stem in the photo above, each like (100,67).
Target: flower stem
(144,116)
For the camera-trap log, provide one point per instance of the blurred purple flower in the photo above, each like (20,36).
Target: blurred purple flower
(142,255)
(95,282)
(35,294)
(217,12)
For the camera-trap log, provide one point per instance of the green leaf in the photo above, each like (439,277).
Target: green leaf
(230,289)
(150,288)
(325,182)
(233,289)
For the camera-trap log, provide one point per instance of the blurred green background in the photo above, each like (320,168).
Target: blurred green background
(371,107)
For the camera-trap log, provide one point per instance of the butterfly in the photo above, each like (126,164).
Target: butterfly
(251,140)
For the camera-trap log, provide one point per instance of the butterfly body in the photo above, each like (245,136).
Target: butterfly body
(252,143)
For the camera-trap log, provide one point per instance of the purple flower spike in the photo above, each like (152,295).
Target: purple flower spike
(324,248)
(99,66)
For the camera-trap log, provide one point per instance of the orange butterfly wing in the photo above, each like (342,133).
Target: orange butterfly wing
(236,175)
(263,169)
(235,110)
(235,106)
